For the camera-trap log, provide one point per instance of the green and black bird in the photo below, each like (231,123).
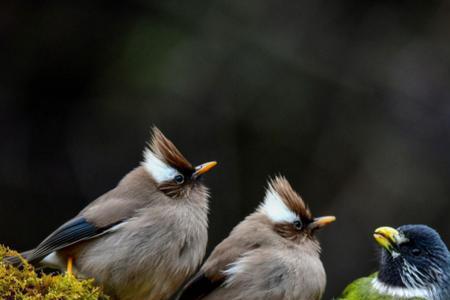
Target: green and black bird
(414,265)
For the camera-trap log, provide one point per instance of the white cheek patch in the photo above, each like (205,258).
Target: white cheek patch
(158,169)
(274,207)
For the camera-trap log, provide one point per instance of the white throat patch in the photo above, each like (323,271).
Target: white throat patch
(158,169)
(274,207)
(401,292)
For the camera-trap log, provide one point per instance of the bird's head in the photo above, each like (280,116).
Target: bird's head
(173,173)
(288,213)
(413,257)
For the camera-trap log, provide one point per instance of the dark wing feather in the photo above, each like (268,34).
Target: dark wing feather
(74,231)
(198,287)
(13,260)
(16,260)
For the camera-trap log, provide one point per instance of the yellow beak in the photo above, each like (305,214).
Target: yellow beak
(387,237)
(322,222)
(204,168)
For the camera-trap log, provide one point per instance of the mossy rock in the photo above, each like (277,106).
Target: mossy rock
(27,284)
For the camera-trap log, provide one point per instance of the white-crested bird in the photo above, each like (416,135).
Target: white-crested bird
(145,237)
(272,254)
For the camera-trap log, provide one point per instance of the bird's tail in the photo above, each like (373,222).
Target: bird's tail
(16,260)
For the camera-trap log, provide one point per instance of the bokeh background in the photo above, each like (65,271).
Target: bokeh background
(348,99)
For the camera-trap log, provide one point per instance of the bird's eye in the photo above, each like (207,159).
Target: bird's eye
(298,224)
(179,179)
(416,251)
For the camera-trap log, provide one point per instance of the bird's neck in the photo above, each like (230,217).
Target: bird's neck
(403,292)
(390,274)
(434,291)
(397,278)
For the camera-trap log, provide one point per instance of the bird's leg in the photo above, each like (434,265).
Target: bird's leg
(70,265)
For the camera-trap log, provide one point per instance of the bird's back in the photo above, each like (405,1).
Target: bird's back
(135,191)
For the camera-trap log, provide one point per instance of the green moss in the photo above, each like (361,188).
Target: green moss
(27,284)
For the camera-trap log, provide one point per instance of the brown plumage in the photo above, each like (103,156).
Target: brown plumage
(144,238)
(166,151)
(272,254)
(290,197)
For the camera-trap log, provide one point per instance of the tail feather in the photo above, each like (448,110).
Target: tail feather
(16,260)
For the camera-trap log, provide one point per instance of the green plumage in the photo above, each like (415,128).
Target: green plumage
(361,289)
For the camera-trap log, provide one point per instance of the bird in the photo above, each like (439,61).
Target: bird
(272,254)
(414,263)
(144,238)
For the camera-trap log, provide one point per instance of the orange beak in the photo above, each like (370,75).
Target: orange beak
(204,168)
(321,222)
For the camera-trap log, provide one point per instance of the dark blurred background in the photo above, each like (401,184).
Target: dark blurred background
(348,99)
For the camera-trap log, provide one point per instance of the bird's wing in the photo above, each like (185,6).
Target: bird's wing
(76,230)
(16,260)
(211,276)
(112,208)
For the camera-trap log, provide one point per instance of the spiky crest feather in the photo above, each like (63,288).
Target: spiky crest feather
(282,203)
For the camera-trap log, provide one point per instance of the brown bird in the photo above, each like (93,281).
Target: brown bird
(145,237)
(272,254)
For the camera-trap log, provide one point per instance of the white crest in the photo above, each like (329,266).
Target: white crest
(274,207)
(158,169)
(401,292)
